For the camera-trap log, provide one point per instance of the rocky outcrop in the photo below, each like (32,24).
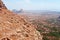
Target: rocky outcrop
(2,5)
(15,27)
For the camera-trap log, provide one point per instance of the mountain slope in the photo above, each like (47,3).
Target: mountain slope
(15,27)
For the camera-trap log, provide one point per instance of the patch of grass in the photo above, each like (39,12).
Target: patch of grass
(41,30)
(55,34)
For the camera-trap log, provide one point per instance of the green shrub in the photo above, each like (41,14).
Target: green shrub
(55,34)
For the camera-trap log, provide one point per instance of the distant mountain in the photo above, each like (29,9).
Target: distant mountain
(36,11)
(18,11)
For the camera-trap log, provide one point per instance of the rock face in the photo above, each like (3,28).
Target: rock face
(15,27)
(2,5)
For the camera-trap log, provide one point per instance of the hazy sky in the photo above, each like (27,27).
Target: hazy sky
(33,4)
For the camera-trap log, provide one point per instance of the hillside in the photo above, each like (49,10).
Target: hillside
(15,27)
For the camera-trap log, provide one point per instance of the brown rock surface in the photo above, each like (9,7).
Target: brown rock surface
(15,27)
(2,5)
